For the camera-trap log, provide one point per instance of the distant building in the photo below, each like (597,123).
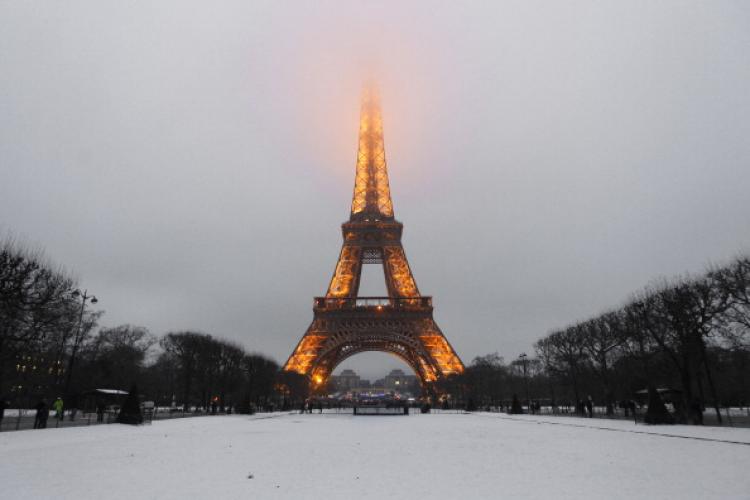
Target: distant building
(347,380)
(364,384)
(397,380)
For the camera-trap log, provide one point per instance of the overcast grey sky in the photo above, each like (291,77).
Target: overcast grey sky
(191,162)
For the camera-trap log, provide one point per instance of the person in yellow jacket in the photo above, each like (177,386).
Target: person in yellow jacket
(58,407)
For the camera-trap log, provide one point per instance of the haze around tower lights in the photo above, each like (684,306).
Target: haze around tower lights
(191,163)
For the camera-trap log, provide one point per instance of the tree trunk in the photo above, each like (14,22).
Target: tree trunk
(692,407)
(607,391)
(2,366)
(186,395)
(710,380)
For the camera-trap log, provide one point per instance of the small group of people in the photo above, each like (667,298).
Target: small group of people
(586,407)
(42,412)
(308,405)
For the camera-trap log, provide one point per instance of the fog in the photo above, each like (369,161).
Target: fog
(191,162)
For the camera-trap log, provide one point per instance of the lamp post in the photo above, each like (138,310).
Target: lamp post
(77,340)
(522,357)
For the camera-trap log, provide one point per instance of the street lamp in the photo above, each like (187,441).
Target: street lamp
(77,341)
(522,357)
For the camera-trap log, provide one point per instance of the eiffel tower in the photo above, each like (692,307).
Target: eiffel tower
(344,323)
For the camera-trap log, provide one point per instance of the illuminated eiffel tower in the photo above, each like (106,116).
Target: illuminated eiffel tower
(344,323)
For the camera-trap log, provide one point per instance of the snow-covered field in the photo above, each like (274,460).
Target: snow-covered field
(341,456)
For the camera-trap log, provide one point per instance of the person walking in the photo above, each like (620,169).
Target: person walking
(42,412)
(58,407)
(100,411)
(3,406)
(590,406)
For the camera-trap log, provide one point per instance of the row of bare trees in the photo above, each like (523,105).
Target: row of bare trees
(199,369)
(43,325)
(690,334)
(490,381)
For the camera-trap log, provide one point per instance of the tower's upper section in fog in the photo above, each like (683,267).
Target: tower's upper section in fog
(372,196)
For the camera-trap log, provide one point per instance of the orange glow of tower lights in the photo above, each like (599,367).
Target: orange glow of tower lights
(372,195)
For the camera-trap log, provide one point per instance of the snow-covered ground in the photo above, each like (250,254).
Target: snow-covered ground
(341,456)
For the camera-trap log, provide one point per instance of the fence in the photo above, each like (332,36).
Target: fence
(23,419)
(731,417)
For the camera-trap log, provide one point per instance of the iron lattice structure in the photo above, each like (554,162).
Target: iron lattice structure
(345,324)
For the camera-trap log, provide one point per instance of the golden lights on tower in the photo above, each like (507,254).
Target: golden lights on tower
(372,195)
(345,323)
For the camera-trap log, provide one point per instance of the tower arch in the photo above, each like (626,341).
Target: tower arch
(348,344)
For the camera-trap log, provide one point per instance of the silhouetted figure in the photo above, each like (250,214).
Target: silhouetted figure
(100,411)
(213,407)
(73,403)
(657,412)
(130,413)
(515,406)
(590,407)
(680,412)
(3,406)
(696,408)
(42,413)
(623,405)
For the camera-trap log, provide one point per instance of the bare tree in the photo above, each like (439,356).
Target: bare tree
(601,337)
(261,373)
(35,301)
(230,373)
(185,349)
(115,357)
(563,353)
(734,281)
